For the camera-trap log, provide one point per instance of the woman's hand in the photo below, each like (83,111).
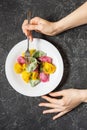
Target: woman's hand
(71,98)
(74,19)
(40,25)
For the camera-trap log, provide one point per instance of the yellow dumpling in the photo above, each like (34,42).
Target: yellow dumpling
(24,66)
(35,75)
(18,68)
(26,76)
(32,51)
(48,68)
(23,54)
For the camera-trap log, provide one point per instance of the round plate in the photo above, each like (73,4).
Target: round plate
(16,81)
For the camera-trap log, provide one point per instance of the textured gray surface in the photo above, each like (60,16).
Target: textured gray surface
(18,112)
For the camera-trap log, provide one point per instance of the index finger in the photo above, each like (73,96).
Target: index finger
(52,100)
(34,20)
(25,22)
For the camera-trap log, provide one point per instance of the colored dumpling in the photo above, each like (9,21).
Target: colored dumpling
(38,70)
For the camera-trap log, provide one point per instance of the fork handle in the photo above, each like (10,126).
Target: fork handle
(28,16)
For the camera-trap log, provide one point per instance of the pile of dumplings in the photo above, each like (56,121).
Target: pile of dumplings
(38,70)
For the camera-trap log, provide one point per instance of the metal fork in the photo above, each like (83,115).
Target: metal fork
(27,53)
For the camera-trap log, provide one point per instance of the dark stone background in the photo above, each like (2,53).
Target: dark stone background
(18,112)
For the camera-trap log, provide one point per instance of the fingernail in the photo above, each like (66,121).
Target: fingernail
(43,112)
(39,104)
(53,118)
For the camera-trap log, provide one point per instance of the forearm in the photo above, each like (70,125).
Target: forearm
(76,18)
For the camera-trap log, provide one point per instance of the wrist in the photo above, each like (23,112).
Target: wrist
(54,28)
(59,27)
(83,94)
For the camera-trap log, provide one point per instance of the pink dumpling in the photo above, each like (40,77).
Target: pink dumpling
(21,60)
(44,77)
(45,59)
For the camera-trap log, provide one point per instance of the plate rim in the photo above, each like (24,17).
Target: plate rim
(21,91)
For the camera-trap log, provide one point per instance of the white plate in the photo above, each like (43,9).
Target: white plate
(42,88)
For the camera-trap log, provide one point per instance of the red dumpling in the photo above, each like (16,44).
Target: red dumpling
(45,59)
(44,77)
(21,60)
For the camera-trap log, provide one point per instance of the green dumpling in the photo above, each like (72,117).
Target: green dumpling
(34,82)
(38,54)
(33,65)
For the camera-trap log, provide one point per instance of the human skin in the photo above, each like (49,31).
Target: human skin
(74,19)
(71,98)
